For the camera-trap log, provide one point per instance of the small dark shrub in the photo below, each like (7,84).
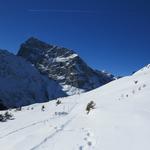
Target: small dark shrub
(43,108)
(2,118)
(135,82)
(90,105)
(8,115)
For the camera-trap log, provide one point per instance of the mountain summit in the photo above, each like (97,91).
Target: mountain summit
(63,65)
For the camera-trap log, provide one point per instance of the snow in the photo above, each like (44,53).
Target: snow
(65,59)
(144,70)
(70,90)
(120,121)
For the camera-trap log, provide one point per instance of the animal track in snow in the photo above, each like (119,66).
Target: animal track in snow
(89,141)
(134,91)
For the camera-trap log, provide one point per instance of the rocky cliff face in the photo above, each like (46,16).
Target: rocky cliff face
(22,84)
(63,65)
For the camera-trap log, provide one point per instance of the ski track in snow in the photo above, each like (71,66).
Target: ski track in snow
(20,129)
(36,123)
(57,130)
(53,134)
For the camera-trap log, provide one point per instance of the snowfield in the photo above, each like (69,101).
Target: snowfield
(120,121)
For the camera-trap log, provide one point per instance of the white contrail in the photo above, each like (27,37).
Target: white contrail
(61,11)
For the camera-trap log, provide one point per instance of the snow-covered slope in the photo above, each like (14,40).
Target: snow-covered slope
(120,121)
(144,70)
(21,84)
(63,65)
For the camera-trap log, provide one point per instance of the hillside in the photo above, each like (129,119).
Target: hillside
(120,120)
(22,84)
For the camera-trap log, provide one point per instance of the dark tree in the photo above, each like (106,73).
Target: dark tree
(90,105)
(2,118)
(43,108)
(8,115)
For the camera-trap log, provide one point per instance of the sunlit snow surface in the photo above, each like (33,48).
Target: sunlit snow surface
(120,121)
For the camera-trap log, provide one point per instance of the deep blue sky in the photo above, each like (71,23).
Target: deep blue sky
(108,34)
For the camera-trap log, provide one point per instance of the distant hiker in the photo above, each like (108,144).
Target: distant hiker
(43,108)
(90,105)
(58,102)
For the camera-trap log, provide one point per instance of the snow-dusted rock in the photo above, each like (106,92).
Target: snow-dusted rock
(63,65)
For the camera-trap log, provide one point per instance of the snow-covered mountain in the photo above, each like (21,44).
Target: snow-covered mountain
(63,65)
(22,84)
(120,120)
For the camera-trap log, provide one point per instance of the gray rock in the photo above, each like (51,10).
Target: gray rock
(63,65)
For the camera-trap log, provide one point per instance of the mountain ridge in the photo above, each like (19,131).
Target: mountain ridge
(63,65)
(41,72)
(22,84)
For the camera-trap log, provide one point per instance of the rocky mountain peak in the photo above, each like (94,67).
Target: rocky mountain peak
(62,65)
(34,42)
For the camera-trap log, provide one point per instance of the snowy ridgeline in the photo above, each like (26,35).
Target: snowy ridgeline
(64,66)
(119,120)
(22,84)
